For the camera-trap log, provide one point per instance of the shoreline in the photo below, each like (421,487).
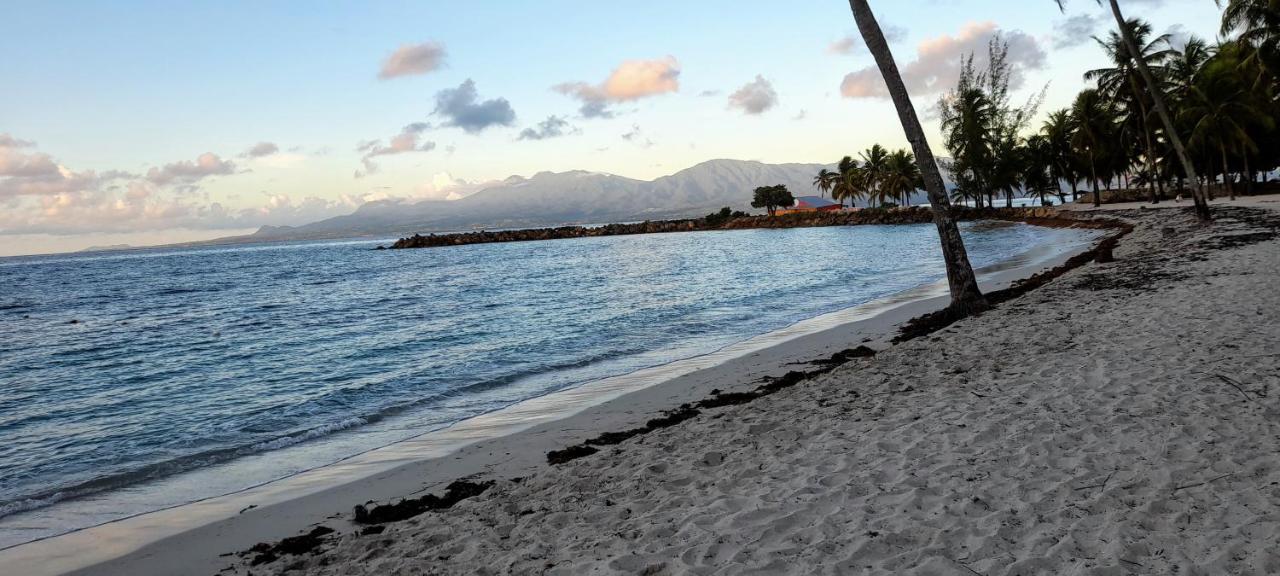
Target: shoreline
(272,511)
(1112,421)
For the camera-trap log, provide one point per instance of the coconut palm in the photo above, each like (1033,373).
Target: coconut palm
(1158,102)
(1122,83)
(1221,111)
(902,177)
(965,296)
(875,171)
(968,122)
(1037,169)
(1057,135)
(1093,127)
(824,181)
(1257,23)
(847,181)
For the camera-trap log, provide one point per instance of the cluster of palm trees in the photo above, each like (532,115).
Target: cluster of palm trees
(880,178)
(1222,101)
(1159,117)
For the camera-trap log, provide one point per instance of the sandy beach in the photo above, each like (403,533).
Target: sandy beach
(1121,419)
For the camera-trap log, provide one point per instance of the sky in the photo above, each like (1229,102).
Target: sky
(141,123)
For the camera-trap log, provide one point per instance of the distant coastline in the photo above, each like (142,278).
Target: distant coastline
(868,216)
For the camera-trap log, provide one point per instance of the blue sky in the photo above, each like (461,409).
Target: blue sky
(147,109)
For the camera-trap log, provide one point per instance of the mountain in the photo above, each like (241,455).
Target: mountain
(577,197)
(563,198)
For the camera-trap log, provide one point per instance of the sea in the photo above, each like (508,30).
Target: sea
(143,379)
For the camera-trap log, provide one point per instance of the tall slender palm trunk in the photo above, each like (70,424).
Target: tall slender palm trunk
(965,295)
(1097,187)
(1226,174)
(1248,176)
(1202,204)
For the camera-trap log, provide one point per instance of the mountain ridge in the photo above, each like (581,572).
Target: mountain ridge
(564,198)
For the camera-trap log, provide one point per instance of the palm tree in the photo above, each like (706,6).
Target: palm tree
(1057,133)
(875,171)
(902,177)
(1037,169)
(1123,83)
(847,181)
(965,295)
(1258,25)
(824,181)
(1093,127)
(1157,99)
(968,120)
(1221,111)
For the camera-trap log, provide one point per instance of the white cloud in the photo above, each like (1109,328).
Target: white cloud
(937,64)
(631,80)
(408,140)
(188,172)
(412,59)
(755,97)
(261,149)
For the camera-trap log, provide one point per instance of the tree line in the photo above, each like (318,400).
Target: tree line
(1163,117)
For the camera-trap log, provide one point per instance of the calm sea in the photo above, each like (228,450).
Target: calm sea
(123,369)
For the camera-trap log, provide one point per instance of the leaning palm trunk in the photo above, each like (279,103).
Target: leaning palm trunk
(1202,205)
(965,296)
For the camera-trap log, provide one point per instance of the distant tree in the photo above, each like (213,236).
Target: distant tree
(825,181)
(1093,127)
(902,177)
(848,181)
(772,197)
(875,173)
(1062,166)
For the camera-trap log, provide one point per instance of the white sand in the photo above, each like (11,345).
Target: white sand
(1071,431)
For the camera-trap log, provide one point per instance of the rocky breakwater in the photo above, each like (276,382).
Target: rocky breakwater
(912,215)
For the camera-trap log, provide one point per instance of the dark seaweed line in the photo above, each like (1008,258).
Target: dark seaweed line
(463,488)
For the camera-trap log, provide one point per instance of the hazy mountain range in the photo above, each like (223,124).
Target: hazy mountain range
(559,198)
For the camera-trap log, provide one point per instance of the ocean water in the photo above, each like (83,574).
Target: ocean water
(128,369)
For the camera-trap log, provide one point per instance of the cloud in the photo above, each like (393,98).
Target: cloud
(801,115)
(412,59)
(852,44)
(630,81)
(408,140)
(846,45)
(635,136)
(188,172)
(708,93)
(754,97)
(461,108)
(1076,30)
(937,64)
(41,196)
(15,163)
(552,127)
(261,149)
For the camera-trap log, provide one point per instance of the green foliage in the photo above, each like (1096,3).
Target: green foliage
(772,197)
(981,127)
(723,216)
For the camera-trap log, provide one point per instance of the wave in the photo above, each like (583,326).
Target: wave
(158,470)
